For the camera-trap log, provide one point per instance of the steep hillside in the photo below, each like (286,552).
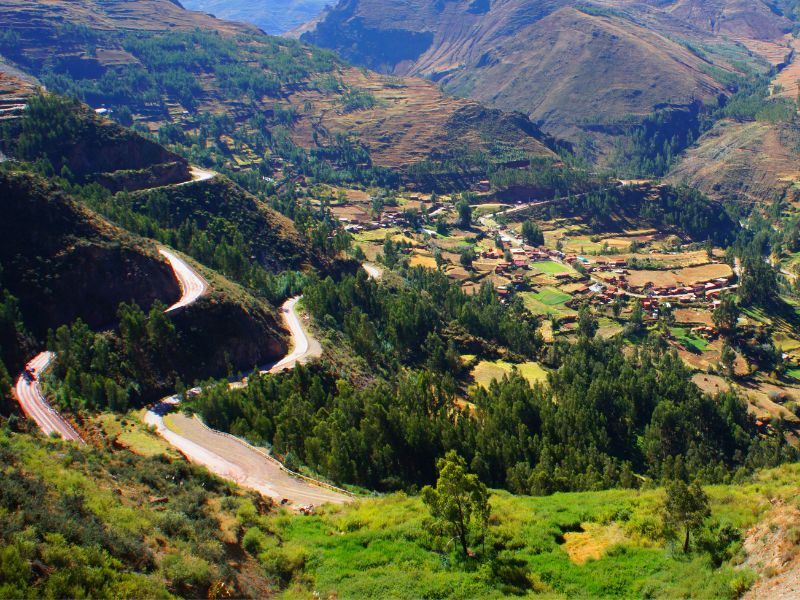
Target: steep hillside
(59,259)
(236,99)
(582,70)
(272,17)
(87,148)
(752,161)
(63,262)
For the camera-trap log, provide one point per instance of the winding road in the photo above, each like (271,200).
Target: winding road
(192,283)
(222,453)
(31,399)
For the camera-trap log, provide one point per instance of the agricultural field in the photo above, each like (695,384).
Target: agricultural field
(679,277)
(486,371)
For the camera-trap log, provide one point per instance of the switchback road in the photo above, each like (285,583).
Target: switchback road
(192,283)
(31,399)
(305,347)
(234,459)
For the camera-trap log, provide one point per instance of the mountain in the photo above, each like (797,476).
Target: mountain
(584,71)
(747,162)
(239,100)
(273,17)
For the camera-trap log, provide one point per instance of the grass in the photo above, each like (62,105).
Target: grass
(537,307)
(551,267)
(130,431)
(486,371)
(550,296)
(794,373)
(689,340)
(383,547)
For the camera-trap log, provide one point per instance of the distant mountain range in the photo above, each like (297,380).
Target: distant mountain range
(272,16)
(584,70)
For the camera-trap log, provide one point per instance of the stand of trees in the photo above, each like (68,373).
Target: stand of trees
(415,323)
(615,417)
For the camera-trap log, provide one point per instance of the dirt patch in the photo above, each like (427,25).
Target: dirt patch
(592,542)
(772,551)
(694,315)
(687,276)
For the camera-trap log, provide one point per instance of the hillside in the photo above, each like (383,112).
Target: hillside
(86,148)
(63,262)
(748,162)
(236,99)
(58,258)
(128,516)
(584,71)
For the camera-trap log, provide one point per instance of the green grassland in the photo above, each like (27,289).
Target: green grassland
(382,548)
(689,340)
(551,267)
(550,296)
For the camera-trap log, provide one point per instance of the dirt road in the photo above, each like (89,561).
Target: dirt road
(234,459)
(237,461)
(34,405)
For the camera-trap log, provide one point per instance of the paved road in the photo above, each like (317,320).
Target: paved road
(305,347)
(192,283)
(34,405)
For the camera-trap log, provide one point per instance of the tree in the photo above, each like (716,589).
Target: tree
(467,256)
(726,315)
(459,502)
(685,507)
(759,285)
(464,214)
(532,233)
(728,358)
(587,324)
(636,322)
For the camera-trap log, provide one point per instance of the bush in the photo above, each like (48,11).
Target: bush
(254,541)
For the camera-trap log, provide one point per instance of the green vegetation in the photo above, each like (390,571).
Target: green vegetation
(689,340)
(82,522)
(459,503)
(678,208)
(550,296)
(99,371)
(551,267)
(532,233)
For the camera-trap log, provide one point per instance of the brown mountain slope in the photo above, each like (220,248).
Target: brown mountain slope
(164,71)
(747,162)
(579,68)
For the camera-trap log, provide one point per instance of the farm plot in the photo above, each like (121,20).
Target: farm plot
(550,267)
(487,370)
(679,277)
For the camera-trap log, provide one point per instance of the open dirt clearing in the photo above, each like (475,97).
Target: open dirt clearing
(687,276)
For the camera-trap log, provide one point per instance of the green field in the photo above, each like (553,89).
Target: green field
(690,340)
(550,267)
(550,296)
(794,373)
(383,548)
